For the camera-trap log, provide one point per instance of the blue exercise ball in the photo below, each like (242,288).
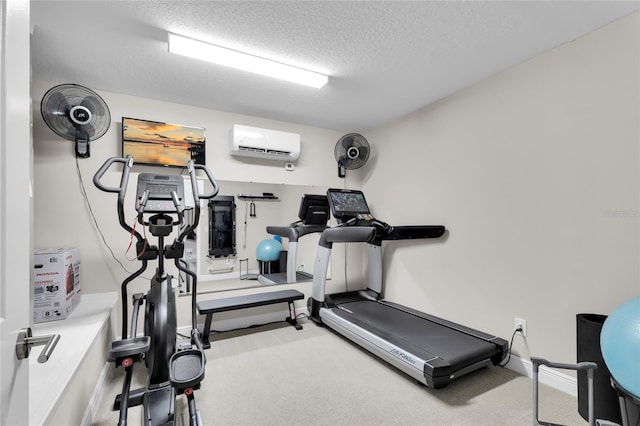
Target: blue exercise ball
(620,345)
(268,250)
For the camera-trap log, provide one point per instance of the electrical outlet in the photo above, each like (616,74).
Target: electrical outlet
(519,323)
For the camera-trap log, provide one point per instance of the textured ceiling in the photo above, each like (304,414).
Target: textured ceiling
(385,59)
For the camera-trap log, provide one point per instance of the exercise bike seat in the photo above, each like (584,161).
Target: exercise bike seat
(128,348)
(186,369)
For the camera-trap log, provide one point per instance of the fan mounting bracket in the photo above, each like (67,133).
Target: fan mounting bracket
(342,171)
(82,148)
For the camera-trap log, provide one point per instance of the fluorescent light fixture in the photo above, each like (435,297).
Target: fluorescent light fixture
(243,61)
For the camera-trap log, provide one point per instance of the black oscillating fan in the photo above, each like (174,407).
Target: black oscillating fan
(351,152)
(75,113)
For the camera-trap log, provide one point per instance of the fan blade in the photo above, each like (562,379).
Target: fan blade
(94,105)
(80,132)
(347,142)
(88,131)
(57,103)
(364,153)
(71,133)
(345,161)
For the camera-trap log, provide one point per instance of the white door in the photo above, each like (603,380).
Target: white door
(15,207)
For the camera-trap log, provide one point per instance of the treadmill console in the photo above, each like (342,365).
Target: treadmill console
(155,193)
(348,204)
(314,209)
(350,208)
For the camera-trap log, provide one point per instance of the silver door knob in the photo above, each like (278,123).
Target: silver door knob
(26,341)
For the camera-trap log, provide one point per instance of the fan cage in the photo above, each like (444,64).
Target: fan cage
(56,105)
(352,140)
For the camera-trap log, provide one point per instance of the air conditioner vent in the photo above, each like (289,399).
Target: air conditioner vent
(275,152)
(264,143)
(251,149)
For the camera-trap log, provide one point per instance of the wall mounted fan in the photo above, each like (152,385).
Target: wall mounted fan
(76,113)
(351,152)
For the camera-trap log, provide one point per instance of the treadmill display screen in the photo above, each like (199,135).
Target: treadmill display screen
(347,203)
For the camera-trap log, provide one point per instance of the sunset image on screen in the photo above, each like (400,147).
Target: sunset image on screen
(166,144)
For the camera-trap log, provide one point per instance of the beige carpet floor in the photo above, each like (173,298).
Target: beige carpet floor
(275,375)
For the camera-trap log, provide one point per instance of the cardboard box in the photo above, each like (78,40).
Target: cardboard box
(56,283)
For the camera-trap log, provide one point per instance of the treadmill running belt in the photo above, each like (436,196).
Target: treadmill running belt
(420,336)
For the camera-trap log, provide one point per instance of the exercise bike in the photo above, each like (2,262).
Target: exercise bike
(173,368)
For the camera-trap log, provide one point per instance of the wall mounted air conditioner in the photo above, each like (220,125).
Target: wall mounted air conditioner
(268,144)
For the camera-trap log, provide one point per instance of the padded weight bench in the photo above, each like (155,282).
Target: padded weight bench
(210,307)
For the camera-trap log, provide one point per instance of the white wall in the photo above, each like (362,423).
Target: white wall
(535,172)
(62,219)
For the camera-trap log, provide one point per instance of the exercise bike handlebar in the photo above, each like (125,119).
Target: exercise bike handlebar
(124,180)
(196,195)
(128,163)
(120,190)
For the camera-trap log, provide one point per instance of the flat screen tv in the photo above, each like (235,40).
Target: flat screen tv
(162,144)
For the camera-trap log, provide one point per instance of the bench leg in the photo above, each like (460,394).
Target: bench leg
(291,319)
(207,329)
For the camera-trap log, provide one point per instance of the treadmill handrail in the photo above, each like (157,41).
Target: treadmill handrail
(294,231)
(410,232)
(346,234)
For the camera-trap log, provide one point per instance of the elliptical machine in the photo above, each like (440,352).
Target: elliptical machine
(172,368)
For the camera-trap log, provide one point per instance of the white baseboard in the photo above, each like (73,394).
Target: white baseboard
(96,398)
(548,376)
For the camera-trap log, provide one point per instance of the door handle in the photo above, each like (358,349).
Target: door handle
(26,341)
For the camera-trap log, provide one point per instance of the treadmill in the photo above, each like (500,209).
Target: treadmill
(432,350)
(314,215)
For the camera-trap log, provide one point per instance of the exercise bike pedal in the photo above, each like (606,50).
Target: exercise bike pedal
(186,369)
(133,348)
